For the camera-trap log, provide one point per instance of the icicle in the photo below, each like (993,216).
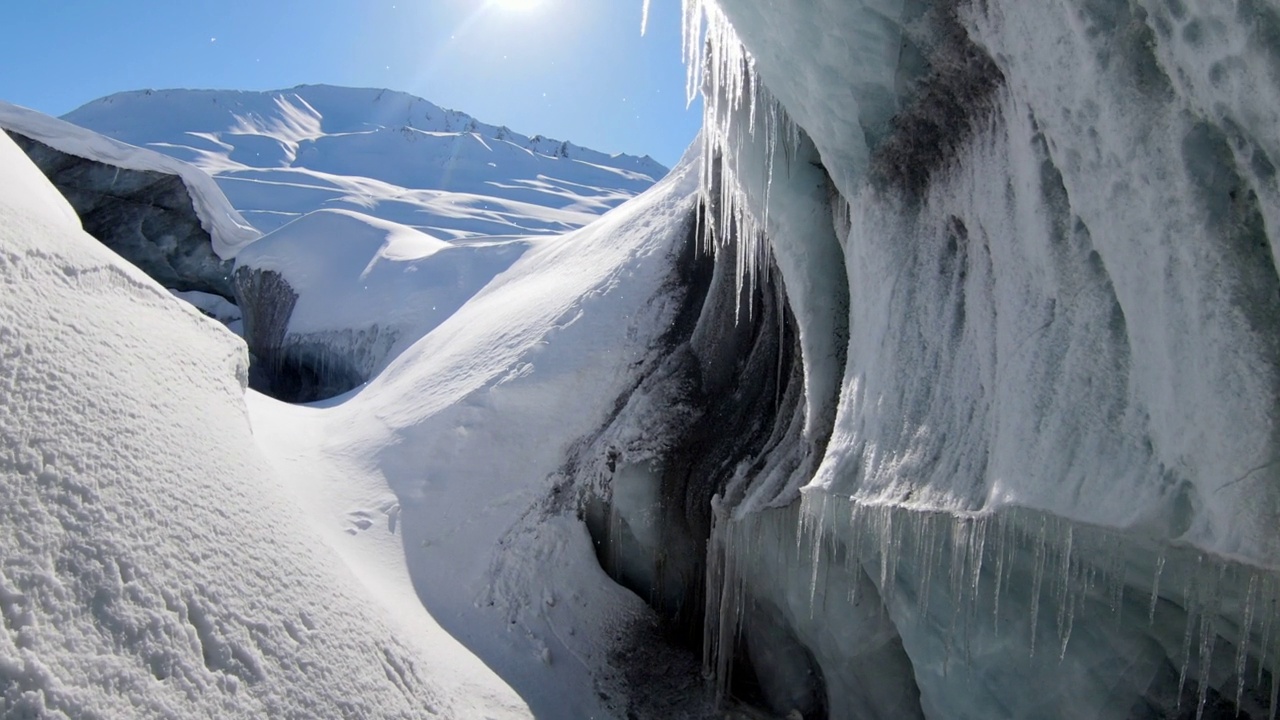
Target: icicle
(1208,635)
(1275,688)
(1067,614)
(815,558)
(1155,589)
(1191,608)
(1242,646)
(1036,581)
(1063,580)
(725,74)
(1002,539)
(926,545)
(1268,615)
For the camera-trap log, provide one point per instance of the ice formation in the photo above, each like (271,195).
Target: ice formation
(1036,319)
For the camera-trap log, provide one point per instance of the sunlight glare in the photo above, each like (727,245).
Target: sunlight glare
(516,5)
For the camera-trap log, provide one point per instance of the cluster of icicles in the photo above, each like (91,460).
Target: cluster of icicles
(1069,571)
(736,107)
(1072,567)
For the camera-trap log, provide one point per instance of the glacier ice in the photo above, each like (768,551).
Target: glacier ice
(145,216)
(1028,254)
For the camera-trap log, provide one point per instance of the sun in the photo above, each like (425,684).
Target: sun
(516,5)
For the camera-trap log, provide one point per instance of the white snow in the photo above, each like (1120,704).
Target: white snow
(153,563)
(225,226)
(281,154)
(352,271)
(456,445)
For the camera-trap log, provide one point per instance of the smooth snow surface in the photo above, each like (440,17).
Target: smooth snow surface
(225,226)
(352,271)
(153,563)
(281,154)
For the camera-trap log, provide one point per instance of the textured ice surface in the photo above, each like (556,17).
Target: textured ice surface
(1053,463)
(146,217)
(227,229)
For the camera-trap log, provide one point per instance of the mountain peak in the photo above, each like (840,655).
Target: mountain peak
(279,154)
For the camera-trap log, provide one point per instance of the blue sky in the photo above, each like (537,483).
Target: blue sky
(570,69)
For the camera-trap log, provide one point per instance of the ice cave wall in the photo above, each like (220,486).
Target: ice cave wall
(144,216)
(164,216)
(1076,312)
(1028,253)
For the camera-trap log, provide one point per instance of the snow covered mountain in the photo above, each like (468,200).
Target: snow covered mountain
(940,379)
(281,154)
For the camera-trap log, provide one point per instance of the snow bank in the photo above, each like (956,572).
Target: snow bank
(352,270)
(331,297)
(154,566)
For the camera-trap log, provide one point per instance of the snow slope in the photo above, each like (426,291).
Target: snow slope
(153,564)
(365,290)
(455,447)
(280,154)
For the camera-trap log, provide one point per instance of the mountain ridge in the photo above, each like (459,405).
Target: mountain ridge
(280,154)
(419,114)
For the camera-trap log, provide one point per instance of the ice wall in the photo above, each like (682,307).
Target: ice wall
(1029,250)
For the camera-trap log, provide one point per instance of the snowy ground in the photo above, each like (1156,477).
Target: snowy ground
(463,476)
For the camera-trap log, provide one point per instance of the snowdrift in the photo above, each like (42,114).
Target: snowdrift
(330,298)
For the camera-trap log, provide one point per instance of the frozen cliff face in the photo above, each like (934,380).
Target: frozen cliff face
(164,216)
(145,217)
(1029,250)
